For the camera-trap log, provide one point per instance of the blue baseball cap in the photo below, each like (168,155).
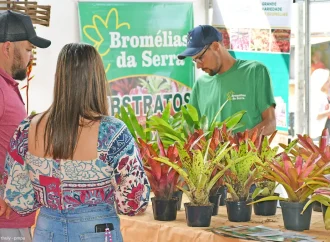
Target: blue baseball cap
(198,38)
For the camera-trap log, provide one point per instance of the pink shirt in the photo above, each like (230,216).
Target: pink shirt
(12,112)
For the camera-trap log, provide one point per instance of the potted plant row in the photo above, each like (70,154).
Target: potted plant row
(178,141)
(184,148)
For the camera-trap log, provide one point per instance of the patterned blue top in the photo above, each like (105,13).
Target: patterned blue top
(115,176)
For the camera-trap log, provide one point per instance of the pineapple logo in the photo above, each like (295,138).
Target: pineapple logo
(230,95)
(101,27)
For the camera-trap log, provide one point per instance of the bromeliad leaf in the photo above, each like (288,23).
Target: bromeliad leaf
(204,123)
(167,112)
(188,118)
(135,123)
(212,125)
(192,111)
(270,198)
(127,121)
(233,120)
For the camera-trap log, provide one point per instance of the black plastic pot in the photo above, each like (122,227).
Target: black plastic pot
(164,210)
(223,191)
(267,208)
(292,218)
(178,194)
(317,207)
(215,199)
(324,209)
(198,216)
(238,211)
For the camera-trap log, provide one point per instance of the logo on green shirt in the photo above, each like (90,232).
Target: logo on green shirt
(230,95)
(234,97)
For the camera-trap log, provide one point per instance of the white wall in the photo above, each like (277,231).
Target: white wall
(63,29)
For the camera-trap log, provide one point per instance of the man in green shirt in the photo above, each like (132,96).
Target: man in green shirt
(246,83)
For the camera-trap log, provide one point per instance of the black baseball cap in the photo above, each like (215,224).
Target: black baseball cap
(16,26)
(198,38)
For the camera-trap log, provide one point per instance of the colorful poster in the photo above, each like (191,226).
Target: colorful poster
(139,44)
(260,30)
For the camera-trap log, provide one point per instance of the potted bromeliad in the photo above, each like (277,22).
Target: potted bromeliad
(241,176)
(322,195)
(264,186)
(163,179)
(300,177)
(219,136)
(309,147)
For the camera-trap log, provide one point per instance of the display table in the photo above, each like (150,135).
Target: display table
(143,228)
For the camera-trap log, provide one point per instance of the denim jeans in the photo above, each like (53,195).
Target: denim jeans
(76,225)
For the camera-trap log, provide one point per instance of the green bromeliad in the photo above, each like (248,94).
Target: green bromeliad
(266,153)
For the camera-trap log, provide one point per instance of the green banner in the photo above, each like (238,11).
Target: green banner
(139,44)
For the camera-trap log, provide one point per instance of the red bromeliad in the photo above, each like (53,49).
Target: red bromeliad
(299,177)
(163,179)
(308,148)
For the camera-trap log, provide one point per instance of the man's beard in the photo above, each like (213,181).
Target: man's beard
(18,73)
(214,72)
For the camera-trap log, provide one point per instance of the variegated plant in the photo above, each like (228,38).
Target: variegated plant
(266,153)
(242,173)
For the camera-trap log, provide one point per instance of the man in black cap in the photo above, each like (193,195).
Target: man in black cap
(246,83)
(17,39)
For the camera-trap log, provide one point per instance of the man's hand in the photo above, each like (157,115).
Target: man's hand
(4,209)
(268,123)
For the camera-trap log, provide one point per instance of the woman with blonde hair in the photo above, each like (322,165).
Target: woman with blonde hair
(75,162)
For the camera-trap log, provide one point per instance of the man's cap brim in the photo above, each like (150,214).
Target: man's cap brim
(190,52)
(40,42)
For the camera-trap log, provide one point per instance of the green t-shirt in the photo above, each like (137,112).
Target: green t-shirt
(248,84)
